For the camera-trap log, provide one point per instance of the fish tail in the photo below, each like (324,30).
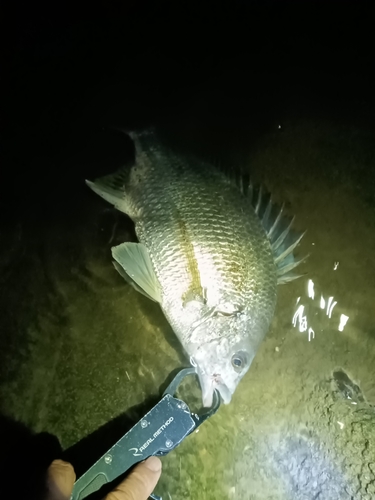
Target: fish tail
(112,188)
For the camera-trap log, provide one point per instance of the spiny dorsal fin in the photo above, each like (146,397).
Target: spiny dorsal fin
(279,231)
(278,227)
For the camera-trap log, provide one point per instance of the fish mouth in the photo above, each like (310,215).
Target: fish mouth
(225,393)
(208,386)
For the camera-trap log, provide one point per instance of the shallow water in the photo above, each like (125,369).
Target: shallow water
(80,347)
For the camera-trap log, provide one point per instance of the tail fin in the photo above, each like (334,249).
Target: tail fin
(112,188)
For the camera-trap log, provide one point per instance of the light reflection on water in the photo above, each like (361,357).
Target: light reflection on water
(304,321)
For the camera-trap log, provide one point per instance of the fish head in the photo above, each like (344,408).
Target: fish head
(223,359)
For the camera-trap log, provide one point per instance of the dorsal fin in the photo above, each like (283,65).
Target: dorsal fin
(278,227)
(279,231)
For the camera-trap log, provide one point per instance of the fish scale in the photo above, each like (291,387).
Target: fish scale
(204,254)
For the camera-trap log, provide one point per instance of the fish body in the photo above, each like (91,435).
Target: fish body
(209,253)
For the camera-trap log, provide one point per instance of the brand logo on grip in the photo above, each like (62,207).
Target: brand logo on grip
(137,452)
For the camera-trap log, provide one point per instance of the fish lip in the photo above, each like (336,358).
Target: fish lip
(208,386)
(224,391)
(207,389)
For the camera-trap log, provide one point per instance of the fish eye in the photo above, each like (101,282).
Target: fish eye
(238,361)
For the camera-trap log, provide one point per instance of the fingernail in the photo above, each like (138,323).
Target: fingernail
(153,463)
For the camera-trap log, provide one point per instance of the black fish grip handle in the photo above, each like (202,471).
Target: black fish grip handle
(157,433)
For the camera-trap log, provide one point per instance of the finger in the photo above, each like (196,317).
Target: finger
(140,483)
(61,478)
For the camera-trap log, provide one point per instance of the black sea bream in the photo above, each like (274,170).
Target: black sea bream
(211,252)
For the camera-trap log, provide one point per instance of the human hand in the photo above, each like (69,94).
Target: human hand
(139,484)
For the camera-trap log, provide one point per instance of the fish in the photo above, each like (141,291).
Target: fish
(211,251)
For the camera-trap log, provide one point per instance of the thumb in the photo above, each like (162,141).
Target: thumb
(140,483)
(61,477)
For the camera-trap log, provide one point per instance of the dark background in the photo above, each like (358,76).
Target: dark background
(68,71)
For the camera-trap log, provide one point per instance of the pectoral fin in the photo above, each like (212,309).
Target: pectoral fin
(133,262)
